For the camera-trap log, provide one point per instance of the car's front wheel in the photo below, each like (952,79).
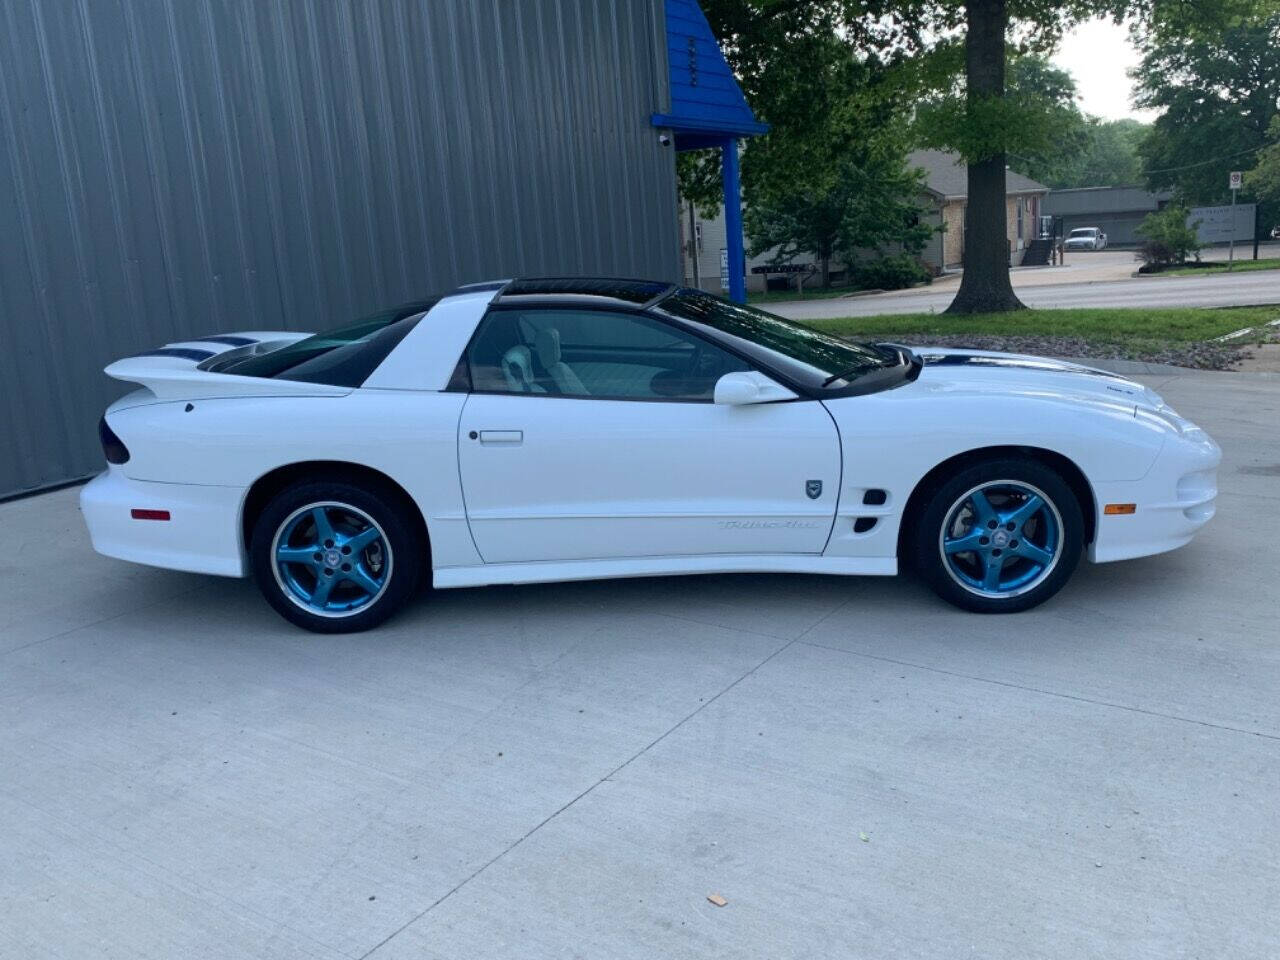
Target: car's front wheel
(334,557)
(1000,536)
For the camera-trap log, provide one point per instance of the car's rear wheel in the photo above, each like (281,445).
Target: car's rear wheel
(1000,536)
(334,557)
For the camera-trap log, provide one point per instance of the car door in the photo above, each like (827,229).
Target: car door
(592,434)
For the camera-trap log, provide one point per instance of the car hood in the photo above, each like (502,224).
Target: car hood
(989,372)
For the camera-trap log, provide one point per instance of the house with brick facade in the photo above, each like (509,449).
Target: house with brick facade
(946,195)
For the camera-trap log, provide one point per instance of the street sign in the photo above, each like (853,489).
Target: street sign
(724,268)
(1237,179)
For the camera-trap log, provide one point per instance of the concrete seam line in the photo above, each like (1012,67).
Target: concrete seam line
(1047,693)
(608,776)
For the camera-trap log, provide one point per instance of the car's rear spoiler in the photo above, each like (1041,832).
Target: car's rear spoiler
(178,371)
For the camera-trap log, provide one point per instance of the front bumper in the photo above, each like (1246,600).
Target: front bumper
(202,534)
(1174,500)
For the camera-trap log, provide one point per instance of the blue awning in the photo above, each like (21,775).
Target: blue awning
(707,104)
(708,110)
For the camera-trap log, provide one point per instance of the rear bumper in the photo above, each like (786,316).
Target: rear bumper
(1174,500)
(202,534)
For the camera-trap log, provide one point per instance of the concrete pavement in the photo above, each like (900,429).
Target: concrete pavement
(1087,280)
(569,770)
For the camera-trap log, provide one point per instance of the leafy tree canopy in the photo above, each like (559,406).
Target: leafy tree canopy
(1264,179)
(868,208)
(830,177)
(1218,92)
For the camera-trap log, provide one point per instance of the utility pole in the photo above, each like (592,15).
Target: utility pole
(693,247)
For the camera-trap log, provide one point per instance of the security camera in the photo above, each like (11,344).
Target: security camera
(664,139)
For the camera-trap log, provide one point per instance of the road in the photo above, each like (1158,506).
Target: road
(1036,288)
(569,770)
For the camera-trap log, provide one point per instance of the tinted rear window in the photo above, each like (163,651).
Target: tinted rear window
(343,357)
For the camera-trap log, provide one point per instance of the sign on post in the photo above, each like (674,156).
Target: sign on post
(1235,181)
(1221,224)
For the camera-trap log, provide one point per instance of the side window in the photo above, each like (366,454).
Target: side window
(594,353)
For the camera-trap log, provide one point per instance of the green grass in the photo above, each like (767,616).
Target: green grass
(1242,266)
(1115,325)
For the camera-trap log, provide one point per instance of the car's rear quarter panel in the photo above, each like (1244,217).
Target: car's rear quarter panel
(230,443)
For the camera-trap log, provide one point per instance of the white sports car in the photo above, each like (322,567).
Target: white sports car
(541,430)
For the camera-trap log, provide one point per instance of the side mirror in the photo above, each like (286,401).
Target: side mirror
(748,387)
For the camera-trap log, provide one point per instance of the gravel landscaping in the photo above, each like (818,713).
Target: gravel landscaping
(1181,336)
(1197,355)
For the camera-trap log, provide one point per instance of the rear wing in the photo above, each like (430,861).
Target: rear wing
(179,371)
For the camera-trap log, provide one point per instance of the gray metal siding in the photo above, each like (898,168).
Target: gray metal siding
(176,168)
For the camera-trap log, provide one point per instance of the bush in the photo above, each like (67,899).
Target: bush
(890,273)
(1167,238)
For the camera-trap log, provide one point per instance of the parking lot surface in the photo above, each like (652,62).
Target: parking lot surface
(570,770)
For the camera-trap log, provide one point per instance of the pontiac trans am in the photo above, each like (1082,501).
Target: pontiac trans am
(558,429)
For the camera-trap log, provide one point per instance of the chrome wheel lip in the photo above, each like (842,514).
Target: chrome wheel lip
(288,591)
(1039,578)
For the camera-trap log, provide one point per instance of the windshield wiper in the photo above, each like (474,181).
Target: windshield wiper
(901,357)
(842,375)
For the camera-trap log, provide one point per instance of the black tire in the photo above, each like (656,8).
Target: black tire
(344,503)
(949,506)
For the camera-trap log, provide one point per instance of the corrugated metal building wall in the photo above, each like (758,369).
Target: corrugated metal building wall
(173,168)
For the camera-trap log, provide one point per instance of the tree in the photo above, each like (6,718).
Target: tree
(988,113)
(942,40)
(830,178)
(1167,237)
(1264,179)
(1070,149)
(1109,157)
(870,204)
(1219,92)
(1050,91)
(985,126)
(807,67)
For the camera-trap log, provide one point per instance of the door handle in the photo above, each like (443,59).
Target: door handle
(502,436)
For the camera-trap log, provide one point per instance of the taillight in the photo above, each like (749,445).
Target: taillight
(112,446)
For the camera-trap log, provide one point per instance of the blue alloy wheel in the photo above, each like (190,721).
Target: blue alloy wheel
(331,559)
(1001,539)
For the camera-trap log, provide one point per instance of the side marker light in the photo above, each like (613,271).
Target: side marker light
(138,514)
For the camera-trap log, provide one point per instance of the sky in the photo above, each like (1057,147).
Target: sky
(1097,53)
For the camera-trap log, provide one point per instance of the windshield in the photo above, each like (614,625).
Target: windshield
(1086,232)
(808,356)
(343,357)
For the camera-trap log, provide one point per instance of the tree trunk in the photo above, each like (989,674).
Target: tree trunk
(826,272)
(985,286)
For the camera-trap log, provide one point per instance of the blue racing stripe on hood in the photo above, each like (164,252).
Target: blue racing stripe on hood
(229,341)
